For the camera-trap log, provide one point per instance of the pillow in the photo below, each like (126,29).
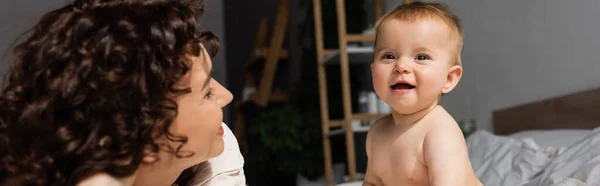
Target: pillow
(553,138)
(504,161)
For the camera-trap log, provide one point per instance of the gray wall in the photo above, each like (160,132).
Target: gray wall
(242,18)
(214,20)
(16,16)
(6,32)
(522,51)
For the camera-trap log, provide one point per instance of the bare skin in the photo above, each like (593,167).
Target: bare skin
(106,180)
(419,153)
(419,143)
(199,117)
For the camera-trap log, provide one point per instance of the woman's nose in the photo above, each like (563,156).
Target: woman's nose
(225,96)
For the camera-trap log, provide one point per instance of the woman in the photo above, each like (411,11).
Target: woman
(104,91)
(228,167)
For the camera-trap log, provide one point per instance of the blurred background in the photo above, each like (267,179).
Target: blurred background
(515,52)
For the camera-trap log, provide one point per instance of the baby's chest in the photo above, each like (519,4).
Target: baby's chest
(400,163)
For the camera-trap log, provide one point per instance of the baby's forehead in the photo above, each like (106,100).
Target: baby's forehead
(422,21)
(434,29)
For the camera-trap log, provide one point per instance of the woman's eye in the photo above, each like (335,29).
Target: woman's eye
(422,57)
(209,93)
(389,56)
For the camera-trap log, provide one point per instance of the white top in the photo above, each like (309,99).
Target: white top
(228,167)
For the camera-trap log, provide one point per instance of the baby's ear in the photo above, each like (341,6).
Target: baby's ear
(454,75)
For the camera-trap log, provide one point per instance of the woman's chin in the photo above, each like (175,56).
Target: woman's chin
(217,148)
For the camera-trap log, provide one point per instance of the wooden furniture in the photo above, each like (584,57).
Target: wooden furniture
(342,56)
(574,111)
(272,53)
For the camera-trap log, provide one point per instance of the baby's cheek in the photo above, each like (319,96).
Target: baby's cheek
(379,76)
(380,82)
(436,75)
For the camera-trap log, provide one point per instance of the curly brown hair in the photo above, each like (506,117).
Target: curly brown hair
(195,175)
(92,88)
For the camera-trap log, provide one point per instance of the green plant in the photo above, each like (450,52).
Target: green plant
(284,141)
(277,129)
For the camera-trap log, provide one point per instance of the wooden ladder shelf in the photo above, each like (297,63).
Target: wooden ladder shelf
(341,56)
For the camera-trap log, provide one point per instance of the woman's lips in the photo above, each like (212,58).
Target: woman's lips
(220,131)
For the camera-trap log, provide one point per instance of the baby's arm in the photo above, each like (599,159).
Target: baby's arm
(446,156)
(370,177)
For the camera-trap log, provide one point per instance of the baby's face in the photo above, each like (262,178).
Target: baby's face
(414,63)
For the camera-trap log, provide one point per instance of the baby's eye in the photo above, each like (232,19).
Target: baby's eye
(389,56)
(422,57)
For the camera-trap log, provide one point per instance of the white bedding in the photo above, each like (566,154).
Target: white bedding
(499,160)
(570,182)
(553,138)
(520,161)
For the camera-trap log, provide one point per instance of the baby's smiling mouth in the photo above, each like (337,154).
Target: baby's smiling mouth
(402,86)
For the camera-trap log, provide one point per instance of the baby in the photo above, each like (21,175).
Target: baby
(416,61)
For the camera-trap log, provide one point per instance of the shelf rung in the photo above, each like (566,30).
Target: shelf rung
(335,123)
(263,52)
(275,97)
(356,55)
(360,37)
(343,130)
(363,116)
(335,132)
(330,52)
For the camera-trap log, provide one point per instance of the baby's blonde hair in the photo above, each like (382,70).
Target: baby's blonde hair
(417,11)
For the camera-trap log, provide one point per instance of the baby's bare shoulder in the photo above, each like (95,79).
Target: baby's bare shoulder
(445,151)
(441,120)
(380,124)
(378,128)
(442,130)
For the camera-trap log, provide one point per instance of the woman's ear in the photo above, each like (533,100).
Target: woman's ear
(149,159)
(454,75)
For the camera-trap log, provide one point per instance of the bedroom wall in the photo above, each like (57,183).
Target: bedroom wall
(16,16)
(214,20)
(522,51)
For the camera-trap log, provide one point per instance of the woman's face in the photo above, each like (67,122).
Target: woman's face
(199,118)
(200,112)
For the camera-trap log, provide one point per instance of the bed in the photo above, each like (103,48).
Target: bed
(549,142)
